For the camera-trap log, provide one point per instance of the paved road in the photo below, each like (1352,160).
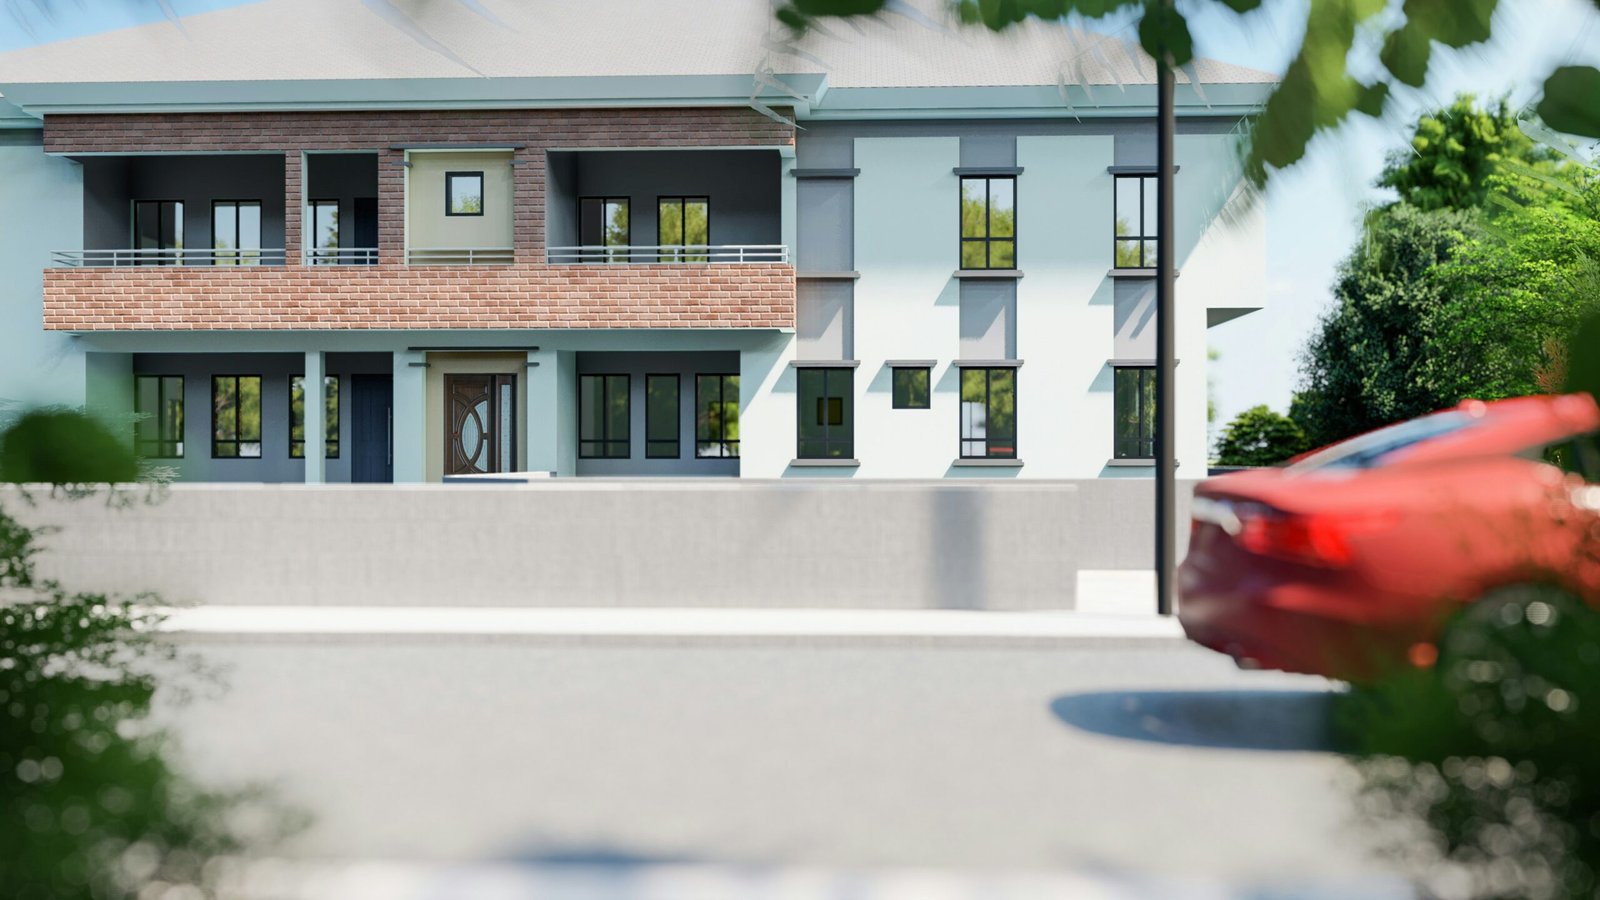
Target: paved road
(1159,761)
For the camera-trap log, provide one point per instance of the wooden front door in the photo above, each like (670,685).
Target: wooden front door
(480,424)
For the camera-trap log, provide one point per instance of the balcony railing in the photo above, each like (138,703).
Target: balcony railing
(341,256)
(459,256)
(651,254)
(166,257)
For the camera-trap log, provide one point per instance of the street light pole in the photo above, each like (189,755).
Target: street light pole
(1166,344)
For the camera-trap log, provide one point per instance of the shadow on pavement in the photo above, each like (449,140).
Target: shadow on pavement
(1237,720)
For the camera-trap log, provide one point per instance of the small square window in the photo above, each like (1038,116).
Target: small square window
(463,193)
(911,388)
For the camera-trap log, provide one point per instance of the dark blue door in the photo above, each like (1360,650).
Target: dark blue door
(371,432)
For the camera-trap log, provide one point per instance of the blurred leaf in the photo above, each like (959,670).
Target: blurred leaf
(1242,6)
(59,446)
(1572,100)
(1583,361)
(1454,23)
(1164,30)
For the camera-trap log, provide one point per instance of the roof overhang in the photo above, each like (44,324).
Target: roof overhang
(1032,101)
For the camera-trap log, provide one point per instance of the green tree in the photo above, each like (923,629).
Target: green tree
(1260,437)
(1364,365)
(1454,153)
(61,446)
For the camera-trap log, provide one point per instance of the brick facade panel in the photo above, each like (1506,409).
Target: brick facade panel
(419,297)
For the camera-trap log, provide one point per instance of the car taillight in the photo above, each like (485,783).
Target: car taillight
(1315,539)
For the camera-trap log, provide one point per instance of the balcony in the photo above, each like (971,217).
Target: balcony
(128,256)
(460,256)
(668,254)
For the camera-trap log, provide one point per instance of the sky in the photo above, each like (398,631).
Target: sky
(1314,208)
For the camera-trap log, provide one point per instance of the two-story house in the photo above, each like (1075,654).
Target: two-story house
(303,241)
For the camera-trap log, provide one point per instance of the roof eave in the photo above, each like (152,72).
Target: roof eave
(1030,101)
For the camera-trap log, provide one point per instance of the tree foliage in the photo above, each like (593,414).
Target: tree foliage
(1453,154)
(62,446)
(1317,91)
(1363,365)
(1260,437)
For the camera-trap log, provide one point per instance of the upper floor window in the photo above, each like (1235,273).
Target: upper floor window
(1136,221)
(661,417)
(325,231)
(463,193)
(989,413)
(683,222)
(827,419)
(236,416)
(236,232)
(158,232)
(158,400)
(716,416)
(330,416)
(988,222)
(603,416)
(603,222)
(910,386)
(1134,396)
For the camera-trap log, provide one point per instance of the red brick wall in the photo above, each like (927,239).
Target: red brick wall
(412,297)
(537,130)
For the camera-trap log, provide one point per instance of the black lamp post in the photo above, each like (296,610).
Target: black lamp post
(1166,344)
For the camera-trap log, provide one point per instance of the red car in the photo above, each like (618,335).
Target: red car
(1352,560)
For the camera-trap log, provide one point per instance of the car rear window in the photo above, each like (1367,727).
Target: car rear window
(1372,450)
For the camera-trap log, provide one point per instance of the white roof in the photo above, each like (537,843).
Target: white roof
(269,40)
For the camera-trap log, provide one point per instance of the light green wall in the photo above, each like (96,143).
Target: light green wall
(427,226)
(41,209)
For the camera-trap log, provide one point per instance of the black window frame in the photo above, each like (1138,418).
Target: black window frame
(161,445)
(324,255)
(330,436)
(829,443)
(676,441)
(607,441)
(894,386)
(450,192)
(238,254)
(607,253)
(729,447)
(160,258)
(1145,426)
(988,240)
(238,440)
(988,405)
(683,221)
(1139,238)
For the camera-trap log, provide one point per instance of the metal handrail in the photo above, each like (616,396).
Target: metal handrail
(669,253)
(340,256)
(459,256)
(131,256)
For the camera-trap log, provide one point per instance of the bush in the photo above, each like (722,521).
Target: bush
(60,446)
(1260,437)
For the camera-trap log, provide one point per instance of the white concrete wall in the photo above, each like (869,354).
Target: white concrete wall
(627,543)
(41,209)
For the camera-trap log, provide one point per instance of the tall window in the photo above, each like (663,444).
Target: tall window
(236,416)
(325,232)
(1136,221)
(1134,395)
(330,416)
(158,232)
(236,232)
(988,223)
(683,222)
(603,417)
(463,193)
(716,416)
(603,223)
(989,413)
(158,399)
(827,417)
(661,417)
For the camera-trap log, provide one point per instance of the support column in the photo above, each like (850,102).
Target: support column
(788,207)
(410,416)
(294,204)
(314,403)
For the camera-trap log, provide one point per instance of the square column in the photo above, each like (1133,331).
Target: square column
(788,206)
(313,406)
(410,416)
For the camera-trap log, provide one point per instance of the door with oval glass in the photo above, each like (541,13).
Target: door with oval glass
(480,424)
